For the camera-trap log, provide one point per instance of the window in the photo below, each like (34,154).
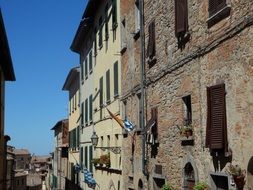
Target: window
(73,104)
(215,6)
(101,92)
(91,109)
(86,156)
(151,41)
(108,86)
(90,158)
(81,155)
(106,23)
(90,61)
(216,129)
(181,17)
(95,41)
(114,15)
(86,68)
(187,110)
(82,72)
(86,111)
(70,107)
(116,79)
(100,34)
(75,101)
(218,10)
(82,114)
(77,137)
(137,16)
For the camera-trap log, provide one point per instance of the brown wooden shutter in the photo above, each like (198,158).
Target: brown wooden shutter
(215,6)
(151,41)
(181,16)
(216,118)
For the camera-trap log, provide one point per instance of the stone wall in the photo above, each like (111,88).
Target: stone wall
(219,54)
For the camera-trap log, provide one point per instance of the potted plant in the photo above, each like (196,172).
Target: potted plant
(185,130)
(95,161)
(200,186)
(105,159)
(167,186)
(238,175)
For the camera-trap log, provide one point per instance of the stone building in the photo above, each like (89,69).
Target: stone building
(6,74)
(60,155)
(131,104)
(198,75)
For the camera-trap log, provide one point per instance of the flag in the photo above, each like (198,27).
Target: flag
(128,125)
(88,178)
(119,121)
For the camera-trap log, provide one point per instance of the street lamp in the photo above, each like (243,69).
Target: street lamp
(94,139)
(94,142)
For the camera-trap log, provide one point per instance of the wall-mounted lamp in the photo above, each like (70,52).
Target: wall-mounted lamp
(94,142)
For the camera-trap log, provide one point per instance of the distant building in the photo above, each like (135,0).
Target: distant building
(22,159)
(41,165)
(6,74)
(71,85)
(34,182)
(20,180)
(10,168)
(60,155)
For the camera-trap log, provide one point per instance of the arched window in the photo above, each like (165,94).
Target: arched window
(140,185)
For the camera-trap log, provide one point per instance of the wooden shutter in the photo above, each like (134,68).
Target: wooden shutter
(215,6)
(181,16)
(216,136)
(151,42)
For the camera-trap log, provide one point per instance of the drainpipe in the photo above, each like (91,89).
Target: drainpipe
(142,43)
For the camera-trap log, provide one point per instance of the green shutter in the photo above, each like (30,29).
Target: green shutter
(90,158)
(86,157)
(108,85)
(116,79)
(91,109)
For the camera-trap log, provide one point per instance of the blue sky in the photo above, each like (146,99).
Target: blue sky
(39,33)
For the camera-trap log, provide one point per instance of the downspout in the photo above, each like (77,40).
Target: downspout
(142,61)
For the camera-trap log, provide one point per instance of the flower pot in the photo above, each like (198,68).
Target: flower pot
(239,181)
(188,133)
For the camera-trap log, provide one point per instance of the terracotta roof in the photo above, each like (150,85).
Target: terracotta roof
(20,151)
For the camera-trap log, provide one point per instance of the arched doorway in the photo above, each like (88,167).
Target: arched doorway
(189,177)
(140,185)
(250,174)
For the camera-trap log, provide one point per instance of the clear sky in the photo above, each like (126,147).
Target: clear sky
(39,33)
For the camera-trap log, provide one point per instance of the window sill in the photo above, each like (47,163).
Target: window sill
(108,102)
(220,15)
(86,77)
(187,141)
(136,35)
(91,71)
(116,96)
(109,170)
(100,47)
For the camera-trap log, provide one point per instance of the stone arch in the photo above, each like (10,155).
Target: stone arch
(250,173)
(140,185)
(111,185)
(189,172)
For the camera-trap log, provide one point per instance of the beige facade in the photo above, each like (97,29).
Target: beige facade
(72,86)
(211,52)
(6,74)
(99,32)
